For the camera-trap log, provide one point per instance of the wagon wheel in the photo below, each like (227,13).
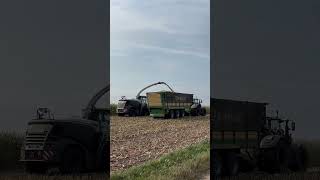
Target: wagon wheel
(232,164)
(177,112)
(217,165)
(182,113)
(172,114)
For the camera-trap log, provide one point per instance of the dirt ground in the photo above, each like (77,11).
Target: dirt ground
(135,140)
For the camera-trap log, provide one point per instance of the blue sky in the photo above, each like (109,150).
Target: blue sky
(160,40)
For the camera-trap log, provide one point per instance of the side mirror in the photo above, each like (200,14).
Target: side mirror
(293,126)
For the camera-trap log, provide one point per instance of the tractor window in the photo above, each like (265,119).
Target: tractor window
(275,125)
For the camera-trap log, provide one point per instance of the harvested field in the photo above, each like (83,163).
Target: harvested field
(135,140)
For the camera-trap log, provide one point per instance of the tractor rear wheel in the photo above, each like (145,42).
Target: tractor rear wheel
(275,159)
(203,112)
(132,113)
(217,165)
(300,159)
(232,164)
(304,157)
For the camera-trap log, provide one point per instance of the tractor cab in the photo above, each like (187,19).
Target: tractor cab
(143,99)
(44,113)
(196,108)
(196,103)
(278,126)
(128,106)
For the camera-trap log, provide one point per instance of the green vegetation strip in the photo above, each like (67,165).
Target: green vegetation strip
(188,163)
(10,144)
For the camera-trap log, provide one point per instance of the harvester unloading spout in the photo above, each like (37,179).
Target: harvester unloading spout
(154,84)
(91,105)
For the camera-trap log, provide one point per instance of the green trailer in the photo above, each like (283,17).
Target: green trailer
(166,104)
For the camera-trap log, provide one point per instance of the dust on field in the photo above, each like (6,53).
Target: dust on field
(135,140)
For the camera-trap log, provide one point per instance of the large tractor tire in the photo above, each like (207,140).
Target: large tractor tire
(304,157)
(232,164)
(217,165)
(72,161)
(132,113)
(275,160)
(203,112)
(300,159)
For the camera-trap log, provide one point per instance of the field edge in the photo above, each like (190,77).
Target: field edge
(188,163)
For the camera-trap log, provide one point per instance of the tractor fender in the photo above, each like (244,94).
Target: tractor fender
(270,141)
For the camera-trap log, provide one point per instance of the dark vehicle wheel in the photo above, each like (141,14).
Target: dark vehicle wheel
(171,114)
(270,160)
(33,168)
(72,161)
(217,165)
(132,113)
(198,112)
(303,157)
(146,113)
(203,112)
(182,113)
(177,113)
(275,160)
(121,115)
(232,164)
(299,159)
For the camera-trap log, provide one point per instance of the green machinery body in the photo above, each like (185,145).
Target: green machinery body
(161,103)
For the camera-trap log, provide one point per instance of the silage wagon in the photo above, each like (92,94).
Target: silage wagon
(165,104)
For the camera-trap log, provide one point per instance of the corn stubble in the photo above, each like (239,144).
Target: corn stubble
(135,140)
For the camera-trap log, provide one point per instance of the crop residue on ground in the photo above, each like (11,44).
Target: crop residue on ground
(139,139)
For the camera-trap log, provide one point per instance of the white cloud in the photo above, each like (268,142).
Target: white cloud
(173,50)
(125,19)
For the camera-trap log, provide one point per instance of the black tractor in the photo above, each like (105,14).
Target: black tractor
(277,149)
(197,109)
(132,107)
(68,145)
